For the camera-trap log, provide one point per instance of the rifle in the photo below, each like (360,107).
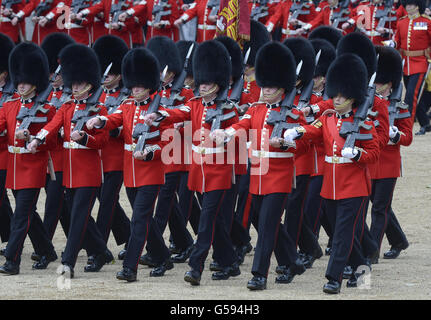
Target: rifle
(7,4)
(259,12)
(216,116)
(8,91)
(297,9)
(238,86)
(342,15)
(350,130)
(384,15)
(279,119)
(80,117)
(78,5)
(28,116)
(396,105)
(142,130)
(178,83)
(113,103)
(42,7)
(160,10)
(116,9)
(214,5)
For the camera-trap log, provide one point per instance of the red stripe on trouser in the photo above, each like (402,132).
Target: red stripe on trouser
(148,224)
(276,231)
(28,226)
(246,213)
(353,233)
(212,233)
(415,95)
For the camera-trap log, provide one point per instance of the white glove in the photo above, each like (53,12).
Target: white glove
(393,131)
(290,135)
(349,153)
(389,43)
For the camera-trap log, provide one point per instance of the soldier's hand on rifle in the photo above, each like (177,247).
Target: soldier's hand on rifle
(185,7)
(115,26)
(393,131)
(349,153)
(150,118)
(276,142)
(72,16)
(77,135)
(140,155)
(218,136)
(43,21)
(306,111)
(15,21)
(7,12)
(123,16)
(35,19)
(290,135)
(80,16)
(300,31)
(93,122)
(293,21)
(345,25)
(22,135)
(32,146)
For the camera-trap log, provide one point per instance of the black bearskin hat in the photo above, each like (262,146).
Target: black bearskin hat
(166,52)
(235,55)
(347,76)
(303,50)
(389,66)
(328,33)
(79,63)
(109,49)
(52,45)
(183,47)
(419,3)
(29,64)
(211,63)
(140,68)
(6,45)
(275,67)
(361,45)
(327,55)
(259,35)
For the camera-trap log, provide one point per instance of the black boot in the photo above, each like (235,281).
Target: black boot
(127,274)
(10,268)
(44,261)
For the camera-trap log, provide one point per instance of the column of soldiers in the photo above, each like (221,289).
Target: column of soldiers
(206,133)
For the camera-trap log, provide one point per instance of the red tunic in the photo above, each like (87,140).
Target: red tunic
(22,10)
(82,165)
(271,168)
(413,35)
(390,156)
(137,173)
(25,170)
(210,167)
(251,91)
(343,180)
(4,153)
(205,28)
(324,17)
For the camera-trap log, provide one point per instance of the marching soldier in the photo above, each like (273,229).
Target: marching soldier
(22,118)
(207,17)
(7,92)
(291,19)
(80,71)
(143,169)
(12,18)
(389,73)
(45,17)
(413,40)
(271,162)
(111,216)
(55,206)
(346,182)
(209,175)
(168,55)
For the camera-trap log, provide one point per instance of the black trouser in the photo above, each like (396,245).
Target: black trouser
(394,232)
(422,109)
(368,243)
(167,206)
(111,215)
(83,228)
(5,209)
(267,213)
(55,206)
(243,207)
(143,226)
(26,220)
(381,197)
(295,208)
(212,224)
(413,84)
(314,204)
(344,215)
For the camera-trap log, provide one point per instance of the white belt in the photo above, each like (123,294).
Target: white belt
(203,150)
(130,147)
(336,159)
(73,145)
(288,31)
(206,27)
(13,149)
(72,26)
(372,33)
(267,154)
